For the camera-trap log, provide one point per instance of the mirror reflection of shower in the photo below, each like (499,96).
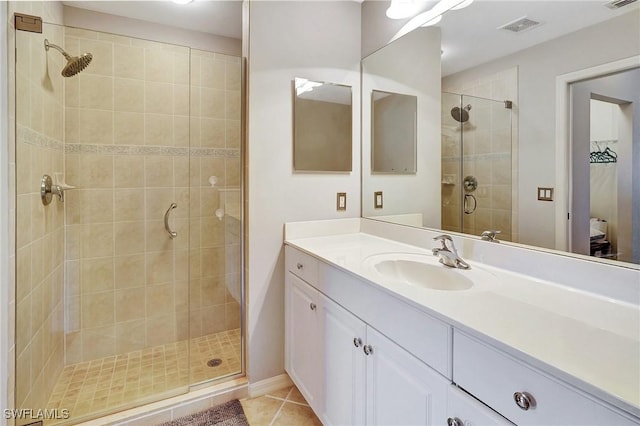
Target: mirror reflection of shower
(461,114)
(75,64)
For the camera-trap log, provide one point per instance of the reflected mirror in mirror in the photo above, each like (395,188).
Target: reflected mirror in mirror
(486,60)
(394,132)
(322,127)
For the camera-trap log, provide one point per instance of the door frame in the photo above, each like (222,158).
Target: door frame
(563,140)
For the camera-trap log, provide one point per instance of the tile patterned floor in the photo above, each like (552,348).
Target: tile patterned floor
(130,379)
(284,407)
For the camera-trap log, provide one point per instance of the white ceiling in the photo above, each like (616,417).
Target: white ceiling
(469,36)
(219,17)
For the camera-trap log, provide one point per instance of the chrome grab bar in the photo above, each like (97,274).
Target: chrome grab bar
(172,234)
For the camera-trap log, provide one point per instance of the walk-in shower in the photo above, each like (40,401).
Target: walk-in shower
(119,303)
(476,165)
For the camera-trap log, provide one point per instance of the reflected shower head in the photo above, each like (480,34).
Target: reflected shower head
(461,114)
(75,64)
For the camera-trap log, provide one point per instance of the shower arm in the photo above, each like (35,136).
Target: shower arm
(47,45)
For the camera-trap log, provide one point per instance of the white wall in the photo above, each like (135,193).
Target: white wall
(387,70)
(97,21)
(319,41)
(538,68)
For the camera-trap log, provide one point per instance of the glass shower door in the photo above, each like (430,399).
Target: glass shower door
(102,271)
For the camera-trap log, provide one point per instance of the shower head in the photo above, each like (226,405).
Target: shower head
(75,64)
(461,114)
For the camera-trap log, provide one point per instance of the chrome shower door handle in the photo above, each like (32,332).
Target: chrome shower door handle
(467,208)
(172,234)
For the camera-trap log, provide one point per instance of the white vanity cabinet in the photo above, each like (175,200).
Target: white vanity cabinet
(350,373)
(522,393)
(464,410)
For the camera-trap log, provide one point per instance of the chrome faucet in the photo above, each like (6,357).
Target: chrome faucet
(490,235)
(449,256)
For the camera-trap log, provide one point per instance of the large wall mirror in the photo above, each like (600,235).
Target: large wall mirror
(321,126)
(495,162)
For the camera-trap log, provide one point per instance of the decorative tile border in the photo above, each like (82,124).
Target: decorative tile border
(31,137)
(76,148)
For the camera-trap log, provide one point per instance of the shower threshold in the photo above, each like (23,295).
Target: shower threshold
(97,387)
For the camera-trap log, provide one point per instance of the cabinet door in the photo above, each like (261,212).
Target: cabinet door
(344,366)
(401,390)
(302,339)
(464,410)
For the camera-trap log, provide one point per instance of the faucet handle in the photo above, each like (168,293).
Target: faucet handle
(443,237)
(490,235)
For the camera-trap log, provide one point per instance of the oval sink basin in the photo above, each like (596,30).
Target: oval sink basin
(420,271)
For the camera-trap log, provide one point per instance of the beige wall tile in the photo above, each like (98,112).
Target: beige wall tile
(212,103)
(129,237)
(128,128)
(233,76)
(129,171)
(97,310)
(95,92)
(213,74)
(158,65)
(159,267)
(158,129)
(130,336)
(233,134)
(98,342)
(160,329)
(158,98)
(96,275)
(213,133)
(96,205)
(232,106)
(96,240)
(160,299)
(157,237)
(102,52)
(96,171)
(128,61)
(128,95)
(129,271)
(129,304)
(130,205)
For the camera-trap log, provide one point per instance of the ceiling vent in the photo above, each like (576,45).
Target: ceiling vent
(617,4)
(521,24)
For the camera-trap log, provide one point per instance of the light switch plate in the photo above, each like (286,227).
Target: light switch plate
(545,194)
(341,201)
(377,200)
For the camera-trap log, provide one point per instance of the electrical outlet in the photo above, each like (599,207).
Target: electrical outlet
(341,201)
(377,200)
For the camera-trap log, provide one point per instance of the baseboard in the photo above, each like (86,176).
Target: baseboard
(271,384)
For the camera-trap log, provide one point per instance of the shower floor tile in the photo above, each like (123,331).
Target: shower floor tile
(122,381)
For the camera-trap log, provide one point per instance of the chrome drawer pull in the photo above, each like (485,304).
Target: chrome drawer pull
(454,421)
(357,342)
(299,266)
(312,306)
(524,400)
(368,349)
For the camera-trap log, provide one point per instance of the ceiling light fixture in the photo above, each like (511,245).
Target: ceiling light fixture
(400,9)
(182,1)
(426,18)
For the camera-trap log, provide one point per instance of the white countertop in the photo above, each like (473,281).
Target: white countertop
(589,337)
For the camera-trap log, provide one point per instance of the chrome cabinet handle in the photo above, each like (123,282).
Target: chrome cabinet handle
(312,306)
(524,400)
(299,266)
(357,342)
(454,421)
(368,349)
(172,234)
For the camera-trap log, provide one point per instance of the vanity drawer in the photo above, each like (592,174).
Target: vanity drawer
(494,377)
(302,265)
